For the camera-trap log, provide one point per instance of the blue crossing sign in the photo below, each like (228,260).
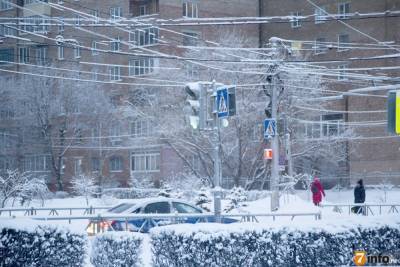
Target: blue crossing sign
(222,102)
(269,128)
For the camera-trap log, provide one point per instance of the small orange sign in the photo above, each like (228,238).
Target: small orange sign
(267,153)
(360,257)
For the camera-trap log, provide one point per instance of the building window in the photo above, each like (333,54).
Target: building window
(95,164)
(115,13)
(6,163)
(141,66)
(5,5)
(141,128)
(28,2)
(6,140)
(145,162)
(78,21)
(320,46)
(60,52)
(6,55)
(6,113)
(95,16)
(320,15)
(343,42)
(95,75)
(116,44)
(332,125)
(143,10)
(77,166)
(95,52)
(190,10)
(37,163)
(195,161)
(190,38)
(343,10)
(6,31)
(41,55)
(141,37)
(342,73)
(35,24)
(23,55)
(61,27)
(77,51)
(295,22)
(116,164)
(115,73)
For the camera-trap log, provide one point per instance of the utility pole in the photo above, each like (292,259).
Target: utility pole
(217,162)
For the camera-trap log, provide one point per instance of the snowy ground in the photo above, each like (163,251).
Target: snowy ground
(299,203)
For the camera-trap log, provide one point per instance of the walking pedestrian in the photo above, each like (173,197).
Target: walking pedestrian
(317,190)
(359,197)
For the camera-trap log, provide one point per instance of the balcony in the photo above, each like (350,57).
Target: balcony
(143,7)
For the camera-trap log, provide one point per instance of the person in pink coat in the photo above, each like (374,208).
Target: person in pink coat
(317,190)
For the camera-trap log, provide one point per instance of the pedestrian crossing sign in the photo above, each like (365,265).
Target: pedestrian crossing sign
(222,103)
(269,128)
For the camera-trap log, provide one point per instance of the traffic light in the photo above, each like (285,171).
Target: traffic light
(393,112)
(195,109)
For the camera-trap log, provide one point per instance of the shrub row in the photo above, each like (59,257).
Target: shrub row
(243,245)
(116,249)
(27,243)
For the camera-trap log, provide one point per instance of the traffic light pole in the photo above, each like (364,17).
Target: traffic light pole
(217,164)
(275,148)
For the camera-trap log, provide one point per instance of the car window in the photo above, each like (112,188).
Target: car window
(136,210)
(158,207)
(185,208)
(121,207)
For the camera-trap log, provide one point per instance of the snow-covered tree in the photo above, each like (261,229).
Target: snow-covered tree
(15,184)
(203,199)
(237,197)
(58,114)
(84,185)
(36,189)
(165,191)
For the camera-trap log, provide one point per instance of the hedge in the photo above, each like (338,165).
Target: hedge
(28,243)
(115,249)
(256,245)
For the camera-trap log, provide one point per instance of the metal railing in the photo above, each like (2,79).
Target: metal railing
(32,211)
(363,208)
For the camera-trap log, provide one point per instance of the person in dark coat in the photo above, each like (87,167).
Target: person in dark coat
(317,191)
(359,196)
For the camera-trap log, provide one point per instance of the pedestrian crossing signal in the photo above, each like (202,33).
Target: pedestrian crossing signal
(267,154)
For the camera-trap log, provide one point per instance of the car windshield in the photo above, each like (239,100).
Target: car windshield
(121,207)
(185,208)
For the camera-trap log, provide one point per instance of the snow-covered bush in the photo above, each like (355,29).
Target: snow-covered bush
(28,243)
(202,199)
(115,249)
(256,245)
(236,197)
(130,193)
(165,191)
(83,185)
(15,184)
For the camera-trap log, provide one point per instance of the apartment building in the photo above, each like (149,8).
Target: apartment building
(92,39)
(372,153)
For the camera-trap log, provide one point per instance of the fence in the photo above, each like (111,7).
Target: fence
(32,211)
(99,223)
(365,208)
